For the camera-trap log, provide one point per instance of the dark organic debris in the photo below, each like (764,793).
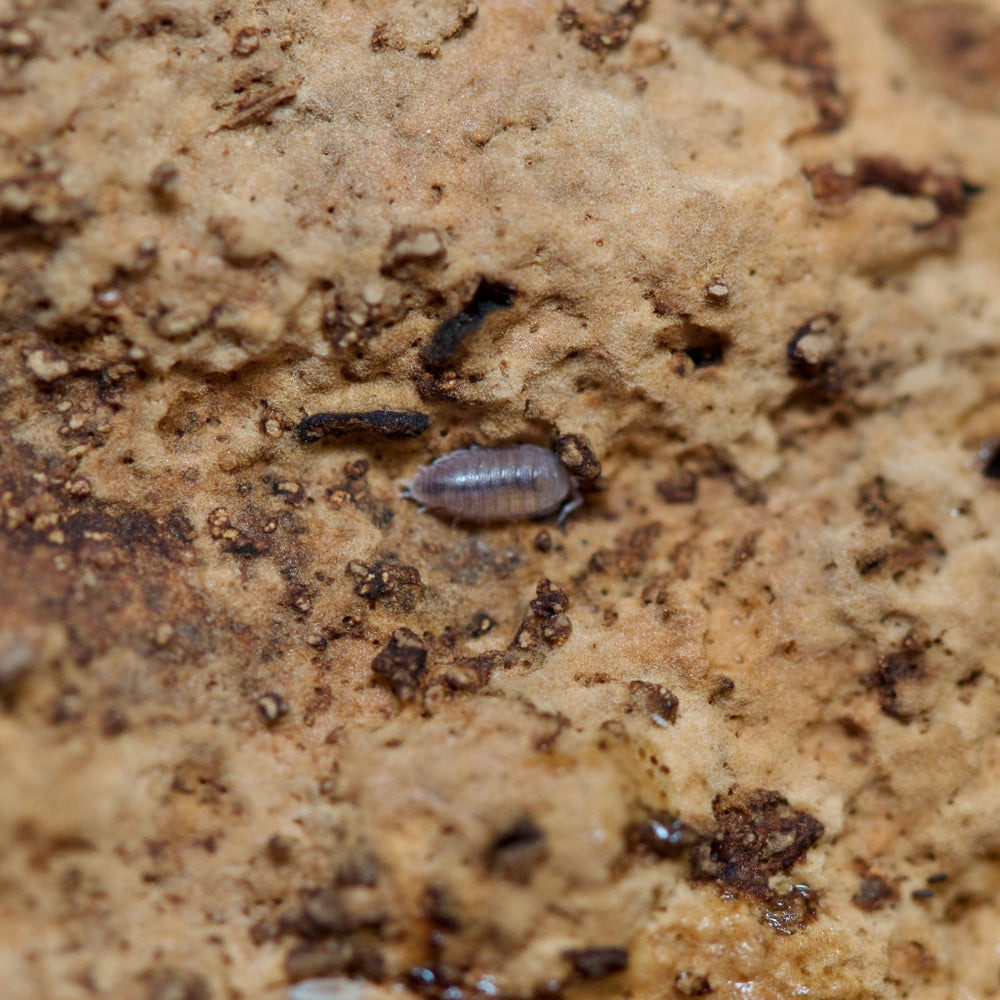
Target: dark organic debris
(899,667)
(242,540)
(576,454)
(256,107)
(682,487)
(488,297)
(473,672)
(403,663)
(601,32)
(549,600)
(382,579)
(393,424)
(596,963)
(654,701)
(759,835)
(547,623)
(799,42)
(949,192)
(516,851)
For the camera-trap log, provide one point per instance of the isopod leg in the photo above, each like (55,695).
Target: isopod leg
(575,500)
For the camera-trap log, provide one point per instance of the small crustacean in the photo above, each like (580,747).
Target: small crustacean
(496,484)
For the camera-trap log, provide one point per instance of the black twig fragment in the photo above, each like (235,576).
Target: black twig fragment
(393,424)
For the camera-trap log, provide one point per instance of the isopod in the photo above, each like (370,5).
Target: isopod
(496,484)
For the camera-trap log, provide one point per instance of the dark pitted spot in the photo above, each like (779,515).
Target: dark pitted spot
(362,869)
(876,505)
(517,850)
(403,664)
(692,984)
(488,297)
(991,465)
(706,348)
(441,909)
(278,849)
(333,957)
(596,963)
(480,624)
(357,469)
(722,688)
(335,913)
(174,984)
(630,554)
(661,834)
(874,891)
(897,669)
(163,180)
(682,487)
(393,424)
(113,722)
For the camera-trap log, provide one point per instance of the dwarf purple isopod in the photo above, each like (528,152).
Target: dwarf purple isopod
(496,484)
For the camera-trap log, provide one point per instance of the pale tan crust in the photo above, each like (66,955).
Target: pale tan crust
(260,718)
